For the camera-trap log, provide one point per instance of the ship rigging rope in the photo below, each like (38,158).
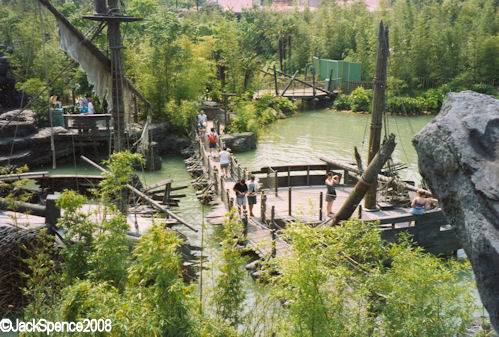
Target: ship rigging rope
(42,27)
(28,63)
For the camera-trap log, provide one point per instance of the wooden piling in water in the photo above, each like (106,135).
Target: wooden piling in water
(263,207)
(321,198)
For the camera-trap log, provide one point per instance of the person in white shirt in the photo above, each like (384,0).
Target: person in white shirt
(90,108)
(203,118)
(224,156)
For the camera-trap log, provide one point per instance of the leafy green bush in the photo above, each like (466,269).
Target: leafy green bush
(433,99)
(229,292)
(33,87)
(182,115)
(342,102)
(361,99)
(284,105)
(252,115)
(484,88)
(386,289)
(405,105)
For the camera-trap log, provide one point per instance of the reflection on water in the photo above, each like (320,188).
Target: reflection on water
(302,139)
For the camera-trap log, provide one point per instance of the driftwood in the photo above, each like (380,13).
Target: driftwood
(381,177)
(365,181)
(146,198)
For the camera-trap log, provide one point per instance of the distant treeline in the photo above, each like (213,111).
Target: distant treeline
(179,55)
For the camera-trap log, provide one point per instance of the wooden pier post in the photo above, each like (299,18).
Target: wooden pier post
(272,231)
(313,81)
(52,212)
(330,80)
(263,207)
(346,177)
(275,82)
(276,183)
(215,179)
(245,223)
(367,179)
(321,198)
(289,201)
(377,108)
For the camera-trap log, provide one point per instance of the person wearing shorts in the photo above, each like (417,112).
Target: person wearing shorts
(212,140)
(252,189)
(224,157)
(331,180)
(241,189)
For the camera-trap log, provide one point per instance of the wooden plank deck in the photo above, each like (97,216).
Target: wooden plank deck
(430,230)
(301,93)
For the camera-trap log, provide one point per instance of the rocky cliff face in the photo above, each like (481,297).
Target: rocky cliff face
(459,160)
(9,97)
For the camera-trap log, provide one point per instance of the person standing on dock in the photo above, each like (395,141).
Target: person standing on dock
(91,109)
(212,140)
(224,157)
(202,118)
(252,189)
(241,189)
(331,180)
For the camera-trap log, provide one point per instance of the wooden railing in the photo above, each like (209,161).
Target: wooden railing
(275,177)
(87,121)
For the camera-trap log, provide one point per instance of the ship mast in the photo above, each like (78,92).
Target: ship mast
(113,16)
(377,109)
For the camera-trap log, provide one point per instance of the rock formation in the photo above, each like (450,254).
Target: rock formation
(240,142)
(9,96)
(459,160)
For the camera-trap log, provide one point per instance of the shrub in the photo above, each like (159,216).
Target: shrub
(405,105)
(342,102)
(181,115)
(433,99)
(360,99)
(284,105)
(484,88)
(346,281)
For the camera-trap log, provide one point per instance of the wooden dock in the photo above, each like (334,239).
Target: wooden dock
(294,93)
(296,193)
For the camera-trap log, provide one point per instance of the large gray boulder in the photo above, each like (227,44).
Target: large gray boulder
(459,159)
(168,142)
(240,142)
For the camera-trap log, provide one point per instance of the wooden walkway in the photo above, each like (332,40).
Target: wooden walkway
(291,93)
(259,234)
(296,193)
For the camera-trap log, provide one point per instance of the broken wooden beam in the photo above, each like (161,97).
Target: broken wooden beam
(365,181)
(146,198)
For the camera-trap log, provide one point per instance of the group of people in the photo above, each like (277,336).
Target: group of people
(246,191)
(418,205)
(202,124)
(55,101)
(86,106)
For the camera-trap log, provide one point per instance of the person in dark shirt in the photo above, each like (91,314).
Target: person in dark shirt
(241,189)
